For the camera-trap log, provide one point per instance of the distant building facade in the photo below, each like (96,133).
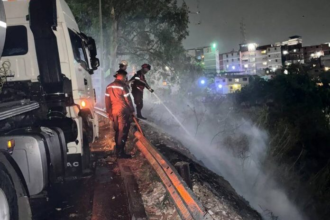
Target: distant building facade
(317,57)
(254,59)
(207,56)
(231,83)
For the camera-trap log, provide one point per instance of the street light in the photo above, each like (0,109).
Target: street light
(214,46)
(252,47)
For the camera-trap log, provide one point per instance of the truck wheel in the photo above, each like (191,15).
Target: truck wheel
(10,207)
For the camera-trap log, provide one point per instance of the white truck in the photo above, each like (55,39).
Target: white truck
(47,117)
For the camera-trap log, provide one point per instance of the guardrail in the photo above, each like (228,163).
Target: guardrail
(184,199)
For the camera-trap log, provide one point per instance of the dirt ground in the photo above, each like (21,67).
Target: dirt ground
(217,196)
(157,203)
(215,193)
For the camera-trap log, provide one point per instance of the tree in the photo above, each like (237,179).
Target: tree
(144,30)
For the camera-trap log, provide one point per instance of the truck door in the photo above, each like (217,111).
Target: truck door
(81,67)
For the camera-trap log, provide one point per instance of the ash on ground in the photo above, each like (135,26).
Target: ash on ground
(215,193)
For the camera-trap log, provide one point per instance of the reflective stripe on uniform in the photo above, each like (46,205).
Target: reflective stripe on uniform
(106,94)
(126,95)
(116,87)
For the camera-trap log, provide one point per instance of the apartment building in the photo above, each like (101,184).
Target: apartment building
(207,56)
(230,62)
(231,83)
(292,51)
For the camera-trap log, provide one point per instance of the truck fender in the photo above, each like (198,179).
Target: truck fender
(88,128)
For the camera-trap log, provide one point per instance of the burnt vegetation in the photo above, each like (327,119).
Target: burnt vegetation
(294,109)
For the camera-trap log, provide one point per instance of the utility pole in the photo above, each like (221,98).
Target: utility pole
(101,48)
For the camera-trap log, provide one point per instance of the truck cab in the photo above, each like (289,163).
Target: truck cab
(47,99)
(74,51)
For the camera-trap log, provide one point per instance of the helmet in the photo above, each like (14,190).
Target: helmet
(146,66)
(124,63)
(120,72)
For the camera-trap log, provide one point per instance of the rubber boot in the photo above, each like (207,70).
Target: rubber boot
(139,115)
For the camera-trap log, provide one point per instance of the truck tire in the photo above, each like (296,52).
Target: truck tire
(12,207)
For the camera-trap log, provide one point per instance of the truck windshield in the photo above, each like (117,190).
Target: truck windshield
(16,41)
(77,47)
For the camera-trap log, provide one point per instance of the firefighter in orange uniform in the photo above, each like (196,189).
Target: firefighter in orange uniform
(120,109)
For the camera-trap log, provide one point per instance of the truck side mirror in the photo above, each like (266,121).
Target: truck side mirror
(95,62)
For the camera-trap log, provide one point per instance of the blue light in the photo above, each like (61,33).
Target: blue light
(220,86)
(202,81)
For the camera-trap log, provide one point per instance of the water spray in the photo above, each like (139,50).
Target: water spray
(171,113)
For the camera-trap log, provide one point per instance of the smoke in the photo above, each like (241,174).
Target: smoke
(230,146)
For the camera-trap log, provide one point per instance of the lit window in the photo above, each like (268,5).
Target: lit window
(246,65)
(264,63)
(236,80)
(264,51)
(233,67)
(285,52)
(294,50)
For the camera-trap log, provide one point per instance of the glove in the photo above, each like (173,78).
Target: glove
(151,90)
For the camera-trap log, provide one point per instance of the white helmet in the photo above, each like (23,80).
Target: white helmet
(124,63)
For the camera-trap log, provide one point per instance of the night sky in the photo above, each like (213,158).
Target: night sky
(267,21)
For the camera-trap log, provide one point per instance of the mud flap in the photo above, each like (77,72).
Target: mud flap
(74,165)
